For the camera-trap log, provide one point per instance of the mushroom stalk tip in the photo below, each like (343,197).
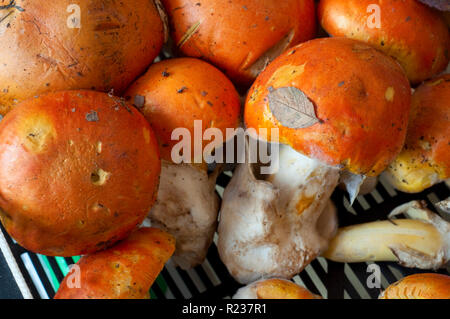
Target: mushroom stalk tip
(422,240)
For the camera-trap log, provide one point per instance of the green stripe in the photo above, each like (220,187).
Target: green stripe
(49,272)
(62,265)
(76,258)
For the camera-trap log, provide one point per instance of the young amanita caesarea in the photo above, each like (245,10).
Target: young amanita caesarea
(172,95)
(66,45)
(409,31)
(338,105)
(124,271)
(240,37)
(425,158)
(419,286)
(79,171)
(274,288)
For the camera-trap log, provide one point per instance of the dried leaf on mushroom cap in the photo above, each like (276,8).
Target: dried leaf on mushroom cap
(292,108)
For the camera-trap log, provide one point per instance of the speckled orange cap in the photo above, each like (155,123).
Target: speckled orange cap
(407,30)
(79,170)
(176,92)
(361,100)
(240,36)
(282,289)
(425,158)
(419,286)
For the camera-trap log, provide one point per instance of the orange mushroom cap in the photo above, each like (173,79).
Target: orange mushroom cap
(124,271)
(79,170)
(361,99)
(282,289)
(425,158)
(176,92)
(235,35)
(84,44)
(419,286)
(409,31)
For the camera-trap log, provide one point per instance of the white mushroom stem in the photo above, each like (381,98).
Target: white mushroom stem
(275,226)
(421,241)
(187,207)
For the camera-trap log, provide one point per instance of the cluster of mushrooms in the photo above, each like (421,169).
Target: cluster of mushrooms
(94,99)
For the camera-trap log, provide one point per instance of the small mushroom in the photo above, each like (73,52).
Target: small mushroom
(124,271)
(419,286)
(386,25)
(242,37)
(422,240)
(271,226)
(274,289)
(177,94)
(425,158)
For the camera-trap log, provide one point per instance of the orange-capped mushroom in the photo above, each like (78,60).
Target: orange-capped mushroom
(240,36)
(361,102)
(339,105)
(78,171)
(274,289)
(175,93)
(65,45)
(191,96)
(409,31)
(124,271)
(419,286)
(425,158)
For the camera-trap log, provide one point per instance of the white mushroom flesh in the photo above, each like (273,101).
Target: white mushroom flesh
(420,241)
(187,207)
(274,227)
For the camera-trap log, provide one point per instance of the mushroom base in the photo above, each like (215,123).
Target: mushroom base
(187,207)
(275,225)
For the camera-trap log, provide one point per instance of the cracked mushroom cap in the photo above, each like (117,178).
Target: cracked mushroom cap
(78,171)
(425,158)
(240,36)
(336,100)
(419,286)
(45,49)
(124,271)
(176,92)
(422,53)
